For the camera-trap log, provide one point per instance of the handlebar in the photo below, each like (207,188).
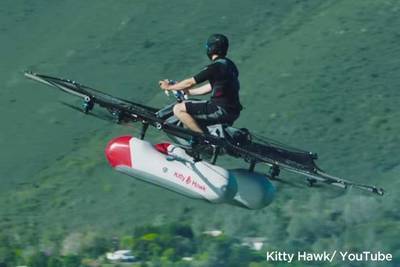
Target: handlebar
(179,95)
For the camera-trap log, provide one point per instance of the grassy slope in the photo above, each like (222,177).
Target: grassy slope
(315,74)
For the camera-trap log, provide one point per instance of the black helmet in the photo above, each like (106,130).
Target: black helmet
(217,44)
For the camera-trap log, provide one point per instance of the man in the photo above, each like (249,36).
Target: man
(222,81)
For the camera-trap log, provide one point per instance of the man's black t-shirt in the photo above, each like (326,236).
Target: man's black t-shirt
(223,77)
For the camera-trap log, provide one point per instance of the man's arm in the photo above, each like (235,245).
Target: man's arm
(201,90)
(204,75)
(182,85)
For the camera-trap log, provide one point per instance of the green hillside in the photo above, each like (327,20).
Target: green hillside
(321,75)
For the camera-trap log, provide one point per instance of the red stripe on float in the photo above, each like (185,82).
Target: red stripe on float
(162,147)
(118,151)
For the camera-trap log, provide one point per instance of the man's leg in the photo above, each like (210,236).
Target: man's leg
(181,112)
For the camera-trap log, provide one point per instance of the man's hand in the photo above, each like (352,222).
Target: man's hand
(164,84)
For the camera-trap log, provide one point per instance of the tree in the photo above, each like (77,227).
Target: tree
(54,262)
(169,255)
(127,242)
(7,255)
(71,261)
(38,259)
(218,250)
(94,246)
(180,229)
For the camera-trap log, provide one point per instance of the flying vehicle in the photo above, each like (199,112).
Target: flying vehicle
(188,164)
